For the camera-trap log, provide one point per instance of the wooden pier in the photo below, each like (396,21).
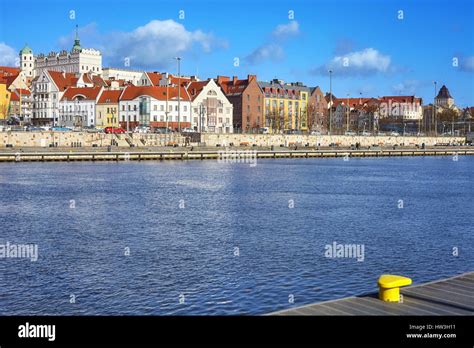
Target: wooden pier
(224,154)
(452,296)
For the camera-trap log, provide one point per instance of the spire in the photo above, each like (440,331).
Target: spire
(77,42)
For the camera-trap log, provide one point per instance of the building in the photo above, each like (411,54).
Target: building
(20,104)
(107,107)
(211,111)
(285,105)
(317,111)
(47,90)
(247,98)
(155,106)
(444,98)
(130,76)
(77,107)
(78,60)
(5,95)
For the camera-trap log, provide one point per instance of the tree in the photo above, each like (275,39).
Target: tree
(311,116)
(448,117)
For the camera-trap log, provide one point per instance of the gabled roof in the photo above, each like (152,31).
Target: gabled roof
(157,92)
(196,87)
(401,99)
(110,97)
(96,80)
(87,93)
(63,80)
(155,78)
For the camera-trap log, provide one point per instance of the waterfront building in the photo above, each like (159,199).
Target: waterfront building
(317,111)
(20,104)
(154,106)
(246,97)
(285,106)
(107,108)
(78,106)
(78,60)
(211,111)
(5,95)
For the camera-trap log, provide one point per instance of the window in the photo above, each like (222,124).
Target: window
(221,111)
(155,107)
(185,108)
(176,108)
(123,107)
(162,108)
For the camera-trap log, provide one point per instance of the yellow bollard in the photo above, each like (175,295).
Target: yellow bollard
(389,287)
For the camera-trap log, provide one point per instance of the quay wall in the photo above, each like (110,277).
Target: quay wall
(324,140)
(84,139)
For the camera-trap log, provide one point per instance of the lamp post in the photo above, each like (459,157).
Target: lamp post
(434,111)
(166,112)
(178,61)
(330,102)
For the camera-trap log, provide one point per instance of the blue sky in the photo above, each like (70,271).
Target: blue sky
(371,46)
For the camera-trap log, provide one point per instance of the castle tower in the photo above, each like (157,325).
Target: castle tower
(77,42)
(27,62)
(444,98)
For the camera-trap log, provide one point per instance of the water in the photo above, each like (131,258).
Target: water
(236,247)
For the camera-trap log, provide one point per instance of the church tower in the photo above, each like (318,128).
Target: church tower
(27,62)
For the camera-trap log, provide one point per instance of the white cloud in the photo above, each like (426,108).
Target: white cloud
(284,31)
(154,44)
(8,55)
(271,52)
(368,61)
(408,87)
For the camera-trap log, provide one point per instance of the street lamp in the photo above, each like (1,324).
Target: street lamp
(178,61)
(330,102)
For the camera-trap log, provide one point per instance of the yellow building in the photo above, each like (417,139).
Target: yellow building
(285,105)
(107,109)
(5,96)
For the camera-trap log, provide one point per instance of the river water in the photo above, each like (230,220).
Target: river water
(207,238)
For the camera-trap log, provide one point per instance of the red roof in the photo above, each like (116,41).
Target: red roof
(195,87)
(155,78)
(233,86)
(109,97)
(87,93)
(96,80)
(63,80)
(8,71)
(157,92)
(15,95)
(401,99)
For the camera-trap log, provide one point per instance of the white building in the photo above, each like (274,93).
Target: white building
(78,60)
(133,76)
(77,107)
(211,110)
(154,106)
(27,62)
(47,90)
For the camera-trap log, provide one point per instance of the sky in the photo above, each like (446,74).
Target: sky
(373,47)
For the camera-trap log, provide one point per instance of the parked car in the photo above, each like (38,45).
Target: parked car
(365,133)
(315,133)
(381,133)
(161,130)
(141,129)
(114,130)
(187,130)
(264,130)
(60,129)
(394,134)
(349,133)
